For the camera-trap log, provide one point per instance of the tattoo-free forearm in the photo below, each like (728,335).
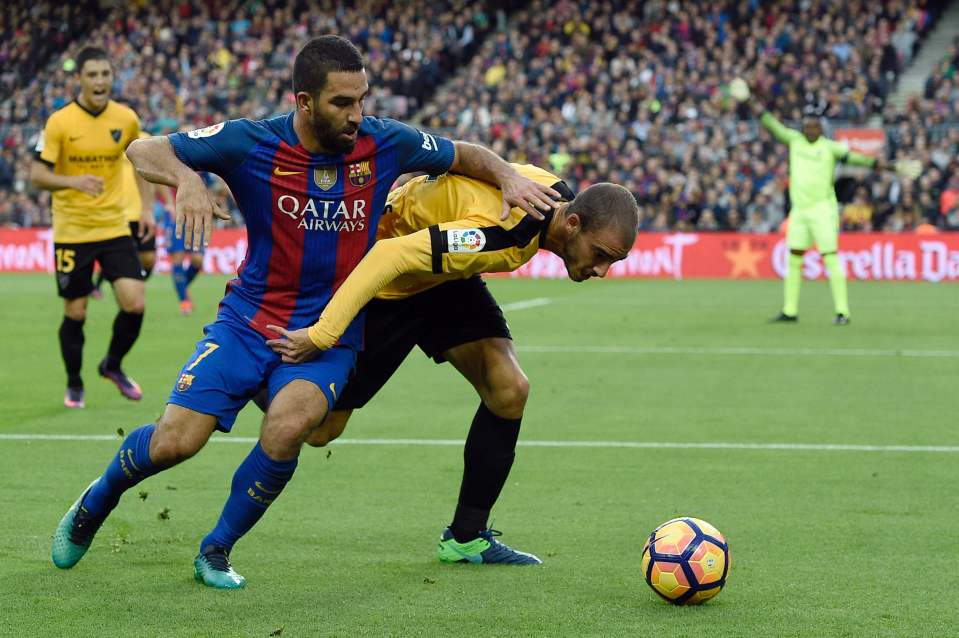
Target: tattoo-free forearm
(43,178)
(478,162)
(154,159)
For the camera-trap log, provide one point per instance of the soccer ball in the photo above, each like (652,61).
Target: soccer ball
(686,561)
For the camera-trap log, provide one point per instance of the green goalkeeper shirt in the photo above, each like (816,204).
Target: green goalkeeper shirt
(812,166)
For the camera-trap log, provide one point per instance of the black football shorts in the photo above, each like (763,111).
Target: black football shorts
(74,264)
(435,320)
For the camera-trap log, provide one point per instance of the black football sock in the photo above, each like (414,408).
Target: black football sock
(487,459)
(126,329)
(71,348)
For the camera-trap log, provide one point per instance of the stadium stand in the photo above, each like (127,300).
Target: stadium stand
(621,91)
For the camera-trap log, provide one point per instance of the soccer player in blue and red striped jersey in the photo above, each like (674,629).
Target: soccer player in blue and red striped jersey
(311,186)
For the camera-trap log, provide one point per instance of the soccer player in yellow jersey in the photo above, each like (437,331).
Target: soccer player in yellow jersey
(80,158)
(436,236)
(136,208)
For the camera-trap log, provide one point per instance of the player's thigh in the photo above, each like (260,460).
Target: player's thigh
(825,228)
(458,313)
(180,433)
(391,331)
(74,269)
(148,259)
(121,266)
(226,369)
(492,367)
(799,234)
(328,373)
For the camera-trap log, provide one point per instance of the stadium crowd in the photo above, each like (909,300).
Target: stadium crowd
(620,91)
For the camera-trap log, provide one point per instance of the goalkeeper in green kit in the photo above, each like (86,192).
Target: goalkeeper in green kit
(814,219)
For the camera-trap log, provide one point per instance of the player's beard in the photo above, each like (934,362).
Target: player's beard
(329,138)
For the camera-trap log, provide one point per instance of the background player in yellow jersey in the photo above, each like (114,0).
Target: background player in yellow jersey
(436,236)
(137,208)
(80,158)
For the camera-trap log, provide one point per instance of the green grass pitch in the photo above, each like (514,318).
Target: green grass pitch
(848,542)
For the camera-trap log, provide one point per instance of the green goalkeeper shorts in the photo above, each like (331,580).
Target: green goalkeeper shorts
(816,225)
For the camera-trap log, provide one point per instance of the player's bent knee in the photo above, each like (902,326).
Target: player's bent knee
(180,433)
(77,314)
(507,396)
(330,430)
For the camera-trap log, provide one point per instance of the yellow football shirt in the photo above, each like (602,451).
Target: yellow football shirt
(435,229)
(467,236)
(78,142)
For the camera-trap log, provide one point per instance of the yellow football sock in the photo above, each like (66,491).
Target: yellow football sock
(837,283)
(791,283)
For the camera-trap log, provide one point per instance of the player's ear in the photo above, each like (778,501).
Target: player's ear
(304,102)
(572,223)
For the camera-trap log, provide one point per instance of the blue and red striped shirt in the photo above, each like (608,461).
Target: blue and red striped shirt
(310,218)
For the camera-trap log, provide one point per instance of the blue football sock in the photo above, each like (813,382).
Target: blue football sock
(179,281)
(257,483)
(129,466)
(191,273)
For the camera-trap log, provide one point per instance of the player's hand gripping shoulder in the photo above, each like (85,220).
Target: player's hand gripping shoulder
(293,346)
(531,196)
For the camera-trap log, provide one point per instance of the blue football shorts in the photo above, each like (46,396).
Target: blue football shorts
(232,363)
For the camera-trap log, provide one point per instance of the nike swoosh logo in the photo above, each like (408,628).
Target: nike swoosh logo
(74,139)
(260,487)
(281,172)
(333,390)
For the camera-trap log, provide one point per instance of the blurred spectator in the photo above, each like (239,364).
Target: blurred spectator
(857,214)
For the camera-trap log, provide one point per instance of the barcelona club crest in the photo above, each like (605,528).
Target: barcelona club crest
(325,177)
(361,173)
(115,133)
(185,381)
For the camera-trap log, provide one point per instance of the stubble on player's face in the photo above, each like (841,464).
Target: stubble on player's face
(96,79)
(591,254)
(338,111)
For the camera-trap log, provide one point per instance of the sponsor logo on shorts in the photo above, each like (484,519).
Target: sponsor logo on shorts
(185,381)
(469,240)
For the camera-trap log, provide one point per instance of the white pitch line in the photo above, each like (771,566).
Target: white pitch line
(642,445)
(529,303)
(744,350)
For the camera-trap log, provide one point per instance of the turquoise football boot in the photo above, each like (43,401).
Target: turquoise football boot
(73,535)
(212,568)
(484,549)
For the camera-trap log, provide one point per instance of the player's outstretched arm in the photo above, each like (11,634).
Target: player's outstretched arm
(387,260)
(477,162)
(779,130)
(154,159)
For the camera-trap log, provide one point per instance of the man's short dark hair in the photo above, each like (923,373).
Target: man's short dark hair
(604,204)
(320,57)
(90,53)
